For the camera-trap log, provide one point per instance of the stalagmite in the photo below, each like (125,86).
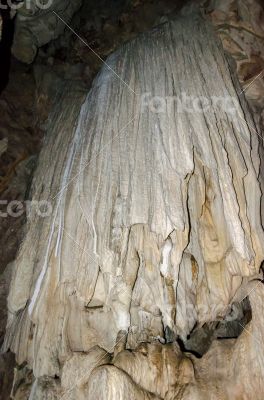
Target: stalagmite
(155,230)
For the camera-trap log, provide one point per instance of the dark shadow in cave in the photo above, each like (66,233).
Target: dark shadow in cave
(5,45)
(200,338)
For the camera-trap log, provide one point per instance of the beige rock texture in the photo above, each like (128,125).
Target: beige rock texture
(153,180)
(240,25)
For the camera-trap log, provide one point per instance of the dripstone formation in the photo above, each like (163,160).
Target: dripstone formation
(155,232)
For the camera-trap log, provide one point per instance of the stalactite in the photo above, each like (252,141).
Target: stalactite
(155,227)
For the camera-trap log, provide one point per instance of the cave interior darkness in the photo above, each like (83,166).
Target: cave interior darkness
(5,47)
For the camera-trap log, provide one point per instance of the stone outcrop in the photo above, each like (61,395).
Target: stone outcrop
(163,372)
(37,24)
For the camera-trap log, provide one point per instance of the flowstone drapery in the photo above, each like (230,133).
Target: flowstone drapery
(155,230)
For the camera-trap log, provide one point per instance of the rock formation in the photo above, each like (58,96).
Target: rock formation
(155,231)
(37,24)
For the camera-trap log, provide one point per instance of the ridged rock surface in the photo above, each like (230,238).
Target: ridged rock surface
(155,228)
